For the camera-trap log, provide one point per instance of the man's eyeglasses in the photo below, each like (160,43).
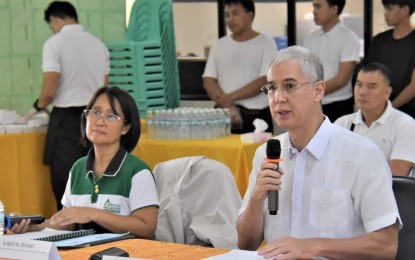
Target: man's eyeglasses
(270,89)
(91,114)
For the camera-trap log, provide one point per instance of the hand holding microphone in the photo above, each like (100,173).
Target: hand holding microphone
(273,151)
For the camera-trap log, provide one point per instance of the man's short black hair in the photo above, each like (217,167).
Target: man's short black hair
(248,5)
(339,3)
(129,109)
(382,69)
(61,10)
(401,3)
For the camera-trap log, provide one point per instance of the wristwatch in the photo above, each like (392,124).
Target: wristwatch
(35,106)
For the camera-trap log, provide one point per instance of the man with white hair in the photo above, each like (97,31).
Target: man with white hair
(335,186)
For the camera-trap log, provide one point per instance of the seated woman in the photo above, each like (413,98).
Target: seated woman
(109,190)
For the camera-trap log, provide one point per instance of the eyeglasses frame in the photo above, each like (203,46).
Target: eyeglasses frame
(104,116)
(265,89)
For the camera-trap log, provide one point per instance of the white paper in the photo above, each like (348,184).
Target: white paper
(246,255)
(237,254)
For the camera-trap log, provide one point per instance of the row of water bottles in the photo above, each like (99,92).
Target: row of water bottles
(188,123)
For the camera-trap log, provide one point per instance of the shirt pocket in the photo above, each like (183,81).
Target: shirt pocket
(329,211)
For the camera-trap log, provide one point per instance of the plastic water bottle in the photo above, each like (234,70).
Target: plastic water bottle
(150,124)
(1,219)
(227,120)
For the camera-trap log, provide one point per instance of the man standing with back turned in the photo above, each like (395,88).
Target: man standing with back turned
(236,67)
(335,186)
(75,64)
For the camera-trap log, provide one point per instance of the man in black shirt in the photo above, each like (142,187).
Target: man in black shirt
(395,48)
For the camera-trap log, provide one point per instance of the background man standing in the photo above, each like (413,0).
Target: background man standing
(338,48)
(75,64)
(236,68)
(395,48)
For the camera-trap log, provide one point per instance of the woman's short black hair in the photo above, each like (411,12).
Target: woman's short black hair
(129,109)
(60,9)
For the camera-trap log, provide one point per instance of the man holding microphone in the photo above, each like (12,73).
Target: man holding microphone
(335,187)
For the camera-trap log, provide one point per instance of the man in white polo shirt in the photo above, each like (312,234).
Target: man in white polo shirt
(75,64)
(338,48)
(335,186)
(391,129)
(236,68)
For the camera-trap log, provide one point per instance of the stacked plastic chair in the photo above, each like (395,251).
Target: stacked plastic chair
(145,64)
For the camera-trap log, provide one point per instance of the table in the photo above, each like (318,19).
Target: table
(25,182)
(228,150)
(149,249)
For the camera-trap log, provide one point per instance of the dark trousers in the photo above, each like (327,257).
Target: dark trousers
(63,148)
(337,109)
(249,115)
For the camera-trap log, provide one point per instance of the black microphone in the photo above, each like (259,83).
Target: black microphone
(273,151)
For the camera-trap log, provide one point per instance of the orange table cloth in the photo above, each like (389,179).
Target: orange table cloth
(149,249)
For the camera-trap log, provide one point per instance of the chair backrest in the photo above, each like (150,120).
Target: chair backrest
(404,190)
(199,202)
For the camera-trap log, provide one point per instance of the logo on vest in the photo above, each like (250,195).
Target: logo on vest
(111,207)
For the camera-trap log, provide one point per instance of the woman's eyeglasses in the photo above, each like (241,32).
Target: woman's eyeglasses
(91,114)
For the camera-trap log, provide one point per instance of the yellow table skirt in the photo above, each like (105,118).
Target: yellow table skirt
(228,150)
(25,182)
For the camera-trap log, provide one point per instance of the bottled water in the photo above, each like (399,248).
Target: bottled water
(227,119)
(184,127)
(188,123)
(150,124)
(1,219)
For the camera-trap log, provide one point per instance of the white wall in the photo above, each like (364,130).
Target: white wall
(196,24)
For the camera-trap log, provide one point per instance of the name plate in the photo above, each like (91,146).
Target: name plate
(28,249)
